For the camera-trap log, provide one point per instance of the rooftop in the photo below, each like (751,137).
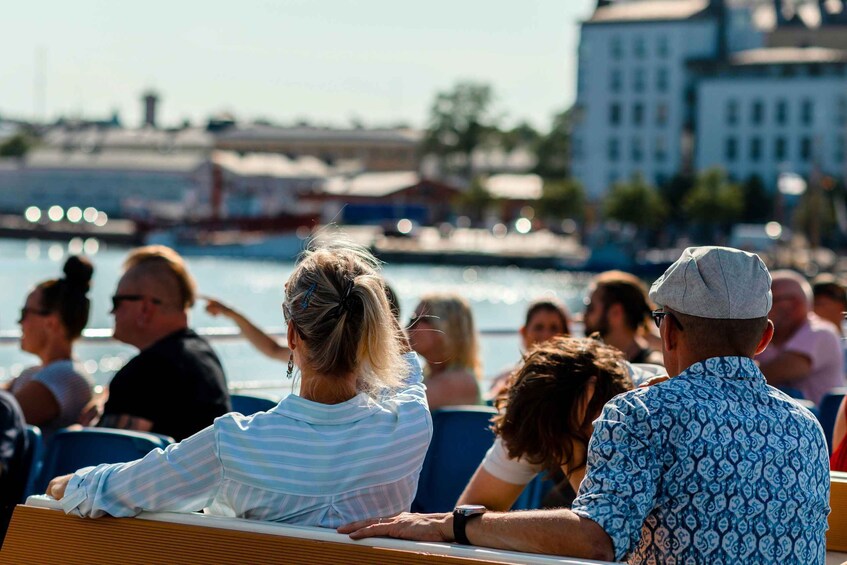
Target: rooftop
(150,161)
(371,184)
(648,10)
(788,55)
(306,134)
(515,187)
(141,138)
(270,165)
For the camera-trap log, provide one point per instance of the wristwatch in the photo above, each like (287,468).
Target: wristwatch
(461,516)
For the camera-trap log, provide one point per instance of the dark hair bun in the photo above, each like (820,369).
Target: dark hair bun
(78,271)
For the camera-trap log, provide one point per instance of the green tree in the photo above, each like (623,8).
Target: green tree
(758,204)
(561,199)
(635,202)
(476,201)
(553,149)
(459,121)
(15,146)
(714,201)
(521,135)
(674,191)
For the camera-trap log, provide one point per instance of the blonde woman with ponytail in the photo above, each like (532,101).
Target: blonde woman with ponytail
(349,446)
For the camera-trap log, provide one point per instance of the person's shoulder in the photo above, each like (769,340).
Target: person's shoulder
(820,328)
(10,410)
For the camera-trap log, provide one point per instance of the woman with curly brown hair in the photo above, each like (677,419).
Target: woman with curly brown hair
(545,417)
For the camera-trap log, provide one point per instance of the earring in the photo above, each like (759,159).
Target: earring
(290,372)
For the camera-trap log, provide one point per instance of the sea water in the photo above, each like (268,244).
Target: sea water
(498,297)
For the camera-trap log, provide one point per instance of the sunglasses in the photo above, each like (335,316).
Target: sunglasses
(118,299)
(25,311)
(659,315)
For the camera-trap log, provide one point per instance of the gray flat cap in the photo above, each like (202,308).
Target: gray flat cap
(715,282)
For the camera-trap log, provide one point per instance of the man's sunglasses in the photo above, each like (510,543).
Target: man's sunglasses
(25,311)
(659,315)
(118,299)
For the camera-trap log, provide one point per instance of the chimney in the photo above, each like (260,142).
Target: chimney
(718,9)
(603,3)
(150,100)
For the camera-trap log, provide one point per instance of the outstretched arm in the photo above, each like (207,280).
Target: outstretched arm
(555,532)
(260,340)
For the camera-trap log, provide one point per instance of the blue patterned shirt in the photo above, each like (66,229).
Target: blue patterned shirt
(711,466)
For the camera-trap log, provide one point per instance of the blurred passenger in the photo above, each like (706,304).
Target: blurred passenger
(830,300)
(805,352)
(442,332)
(617,307)
(546,415)
(13,449)
(175,386)
(351,444)
(838,460)
(545,318)
(53,394)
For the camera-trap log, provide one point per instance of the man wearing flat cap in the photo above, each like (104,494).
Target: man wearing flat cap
(710,466)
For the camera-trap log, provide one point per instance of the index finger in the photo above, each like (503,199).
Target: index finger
(358,525)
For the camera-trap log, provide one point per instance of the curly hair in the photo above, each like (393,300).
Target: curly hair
(539,410)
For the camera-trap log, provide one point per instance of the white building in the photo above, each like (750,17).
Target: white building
(634,89)
(682,85)
(767,111)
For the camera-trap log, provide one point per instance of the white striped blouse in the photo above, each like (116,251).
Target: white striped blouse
(301,462)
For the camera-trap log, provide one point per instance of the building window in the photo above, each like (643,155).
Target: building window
(755,149)
(661,114)
(576,147)
(731,149)
(614,150)
(731,112)
(614,114)
(839,149)
(638,80)
(780,149)
(661,179)
(662,79)
(781,112)
(662,46)
(637,150)
(613,177)
(616,47)
(807,112)
(842,110)
(615,80)
(638,47)
(757,112)
(660,152)
(806,149)
(637,113)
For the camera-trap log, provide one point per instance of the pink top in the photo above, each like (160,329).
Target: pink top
(818,340)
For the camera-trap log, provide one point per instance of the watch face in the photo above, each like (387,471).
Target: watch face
(470,509)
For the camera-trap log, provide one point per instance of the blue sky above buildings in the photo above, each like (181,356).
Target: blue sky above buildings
(327,61)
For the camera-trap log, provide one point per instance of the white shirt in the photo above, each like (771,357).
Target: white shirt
(301,462)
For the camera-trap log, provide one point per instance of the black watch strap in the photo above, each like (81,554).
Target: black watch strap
(461,516)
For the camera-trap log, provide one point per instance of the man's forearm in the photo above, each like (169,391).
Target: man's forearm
(559,532)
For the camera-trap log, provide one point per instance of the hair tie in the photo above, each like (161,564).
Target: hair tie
(345,303)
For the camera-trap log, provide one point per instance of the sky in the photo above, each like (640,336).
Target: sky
(330,62)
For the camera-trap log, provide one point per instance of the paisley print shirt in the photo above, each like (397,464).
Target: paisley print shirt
(711,466)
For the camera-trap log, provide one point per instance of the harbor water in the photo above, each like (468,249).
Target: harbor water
(498,297)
